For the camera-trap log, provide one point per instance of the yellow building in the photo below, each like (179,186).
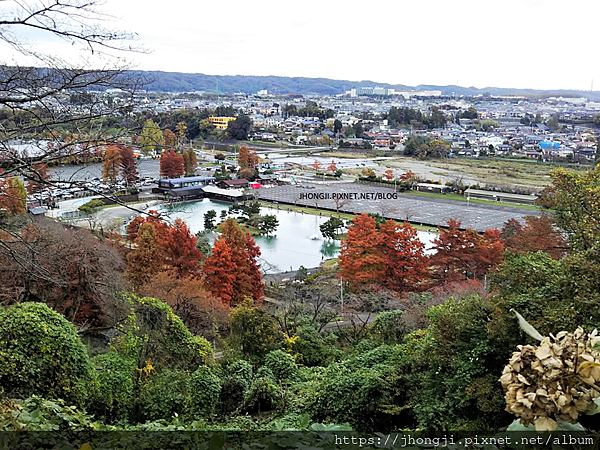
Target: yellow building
(220,122)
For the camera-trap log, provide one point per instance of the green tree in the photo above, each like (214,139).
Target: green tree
(151,137)
(553,121)
(332,227)
(413,143)
(470,113)
(337,126)
(209,220)
(268,223)
(282,365)
(240,127)
(573,197)
(254,331)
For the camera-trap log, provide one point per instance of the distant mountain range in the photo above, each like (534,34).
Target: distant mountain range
(248,84)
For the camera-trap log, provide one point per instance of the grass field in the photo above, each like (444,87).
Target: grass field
(530,173)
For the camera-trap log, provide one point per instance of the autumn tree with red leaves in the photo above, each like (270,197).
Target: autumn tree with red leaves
(332,167)
(219,271)
(463,254)
(180,250)
(406,265)
(388,174)
(361,259)
(146,260)
(37,180)
(231,272)
(391,256)
(154,218)
(171,165)
(127,165)
(538,234)
(316,165)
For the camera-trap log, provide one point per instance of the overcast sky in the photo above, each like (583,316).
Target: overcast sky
(542,44)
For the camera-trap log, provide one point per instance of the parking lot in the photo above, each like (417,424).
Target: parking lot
(418,210)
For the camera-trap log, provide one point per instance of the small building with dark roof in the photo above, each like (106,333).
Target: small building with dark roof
(184,187)
(233,184)
(268,178)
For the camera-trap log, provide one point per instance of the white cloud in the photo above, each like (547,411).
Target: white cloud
(515,43)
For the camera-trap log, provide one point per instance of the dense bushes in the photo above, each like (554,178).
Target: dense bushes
(41,354)
(205,388)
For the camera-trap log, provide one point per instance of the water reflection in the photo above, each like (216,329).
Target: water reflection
(330,249)
(297,241)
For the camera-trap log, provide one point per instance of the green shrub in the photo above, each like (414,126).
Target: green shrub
(237,378)
(38,414)
(114,385)
(242,370)
(315,349)
(367,399)
(205,388)
(265,393)
(41,354)
(389,327)
(164,396)
(281,364)
(169,344)
(233,391)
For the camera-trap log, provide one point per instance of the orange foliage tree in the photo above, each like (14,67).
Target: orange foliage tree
(180,250)
(361,259)
(170,139)
(388,174)
(406,265)
(244,157)
(391,257)
(537,235)
(111,164)
(190,300)
(13,196)
(37,180)
(463,254)
(146,260)
(332,167)
(241,255)
(171,165)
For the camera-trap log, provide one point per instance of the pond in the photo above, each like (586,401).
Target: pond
(297,241)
